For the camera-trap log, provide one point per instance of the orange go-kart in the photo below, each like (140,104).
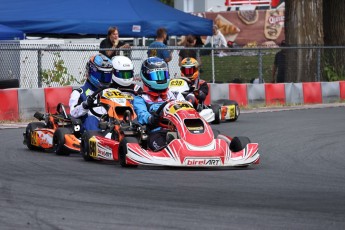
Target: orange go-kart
(115,124)
(58,132)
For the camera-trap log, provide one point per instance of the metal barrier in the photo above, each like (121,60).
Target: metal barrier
(52,65)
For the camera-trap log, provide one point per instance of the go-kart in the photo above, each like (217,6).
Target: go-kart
(114,125)
(222,110)
(58,132)
(190,143)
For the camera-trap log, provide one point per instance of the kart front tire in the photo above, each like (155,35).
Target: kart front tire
(238,143)
(217,114)
(59,141)
(123,150)
(29,129)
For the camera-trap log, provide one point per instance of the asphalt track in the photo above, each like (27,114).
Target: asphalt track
(298,185)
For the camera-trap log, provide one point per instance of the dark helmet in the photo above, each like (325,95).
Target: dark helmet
(155,74)
(99,71)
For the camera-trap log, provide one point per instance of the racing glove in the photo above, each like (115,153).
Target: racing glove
(201,95)
(88,103)
(153,119)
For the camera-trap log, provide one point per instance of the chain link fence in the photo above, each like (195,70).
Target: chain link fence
(58,64)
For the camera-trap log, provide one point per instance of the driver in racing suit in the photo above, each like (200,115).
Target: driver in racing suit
(198,89)
(155,76)
(98,75)
(123,75)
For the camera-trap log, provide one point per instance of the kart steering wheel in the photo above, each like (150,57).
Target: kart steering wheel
(161,107)
(93,96)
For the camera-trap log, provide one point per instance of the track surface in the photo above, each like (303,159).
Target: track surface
(298,185)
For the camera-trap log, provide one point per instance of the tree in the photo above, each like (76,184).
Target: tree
(303,27)
(333,25)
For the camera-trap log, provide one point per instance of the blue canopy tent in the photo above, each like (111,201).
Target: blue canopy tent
(85,18)
(8,33)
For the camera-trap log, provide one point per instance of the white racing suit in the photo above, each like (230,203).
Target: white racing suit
(78,96)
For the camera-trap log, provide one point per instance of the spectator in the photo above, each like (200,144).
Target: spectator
(279,64)
(199,42)
(98,75)
(190,41)
(218,39)
(159,43)
(112,41)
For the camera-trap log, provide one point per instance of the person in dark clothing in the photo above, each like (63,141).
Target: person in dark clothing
(190,41)
(112,41)
(278,71)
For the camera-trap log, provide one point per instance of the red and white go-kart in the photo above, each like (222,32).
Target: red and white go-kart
(191,142)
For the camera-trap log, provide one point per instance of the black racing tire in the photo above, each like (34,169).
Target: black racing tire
(29,129)
(59,141)
(217,114)
(85,145)
(238,143)
(123,150)
(9,83)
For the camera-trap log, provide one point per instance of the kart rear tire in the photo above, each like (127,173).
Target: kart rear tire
(123,150)
(237,108)
(217,114)
(59,141)
(29,129)
(85,145)
(238,143)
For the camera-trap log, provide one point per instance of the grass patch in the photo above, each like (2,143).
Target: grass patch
(242,67)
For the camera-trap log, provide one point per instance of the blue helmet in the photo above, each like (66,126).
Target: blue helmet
(155,74)
(100,71)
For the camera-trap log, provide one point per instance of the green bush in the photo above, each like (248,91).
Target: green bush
(59,74)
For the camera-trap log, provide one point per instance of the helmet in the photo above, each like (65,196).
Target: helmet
(190,68)
(155,74)
(123,70)
(99,70)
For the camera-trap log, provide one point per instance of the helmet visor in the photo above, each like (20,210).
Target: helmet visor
(188,70)
(103,77)
(124,74)
(158,75)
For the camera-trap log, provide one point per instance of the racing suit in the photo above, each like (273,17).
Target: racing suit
(148,103)
(78,96)
(198,90)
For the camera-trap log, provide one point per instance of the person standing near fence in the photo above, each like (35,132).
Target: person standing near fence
(217,38)
(190,41)
(112,41)
(278,70)
(159,43)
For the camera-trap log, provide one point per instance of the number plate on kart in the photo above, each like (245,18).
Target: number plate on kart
(113,93)
(180,105)
(228,112)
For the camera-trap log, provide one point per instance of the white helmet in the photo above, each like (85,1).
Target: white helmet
(123,70)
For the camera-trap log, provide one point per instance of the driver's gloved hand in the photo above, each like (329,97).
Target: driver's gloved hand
(201,95)
(88,103)
(153,119)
